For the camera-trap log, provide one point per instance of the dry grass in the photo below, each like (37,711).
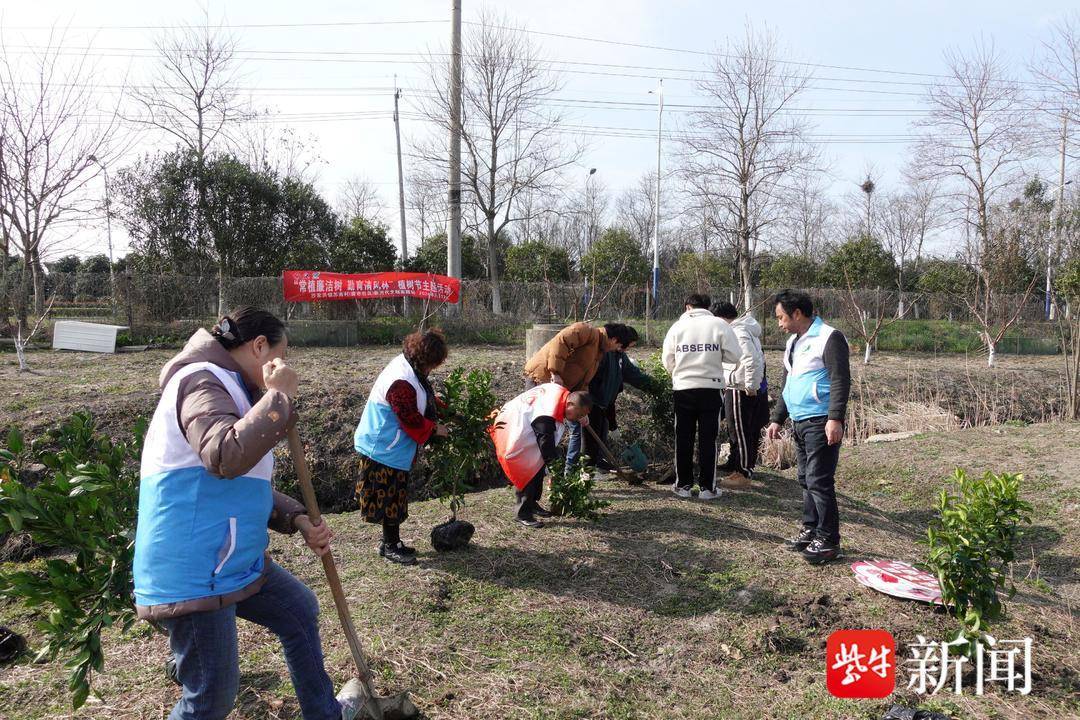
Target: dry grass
(664,608)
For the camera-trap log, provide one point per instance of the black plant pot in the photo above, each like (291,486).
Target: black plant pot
(12,644)
(451,535)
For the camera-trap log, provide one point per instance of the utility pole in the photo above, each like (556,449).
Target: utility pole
(453,234)
(656,224)
(400,176)
(401,191)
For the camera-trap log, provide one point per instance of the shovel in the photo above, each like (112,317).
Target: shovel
(395,707)
(627,475)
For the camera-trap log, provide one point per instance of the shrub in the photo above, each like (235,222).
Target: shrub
(467,454)
(971,544)
(661,420)
(86,504)
(571,492)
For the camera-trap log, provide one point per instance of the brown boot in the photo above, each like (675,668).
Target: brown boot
(735,481)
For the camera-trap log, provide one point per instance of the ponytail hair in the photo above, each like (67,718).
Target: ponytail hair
(246,323)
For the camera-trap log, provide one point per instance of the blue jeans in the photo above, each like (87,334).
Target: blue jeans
(207,659)
(573,444)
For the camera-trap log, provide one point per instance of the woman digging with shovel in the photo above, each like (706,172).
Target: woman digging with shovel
(399,417)
(205,503)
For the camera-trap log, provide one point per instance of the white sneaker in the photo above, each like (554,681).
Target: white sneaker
(709,495)
(351,698)
(681,492)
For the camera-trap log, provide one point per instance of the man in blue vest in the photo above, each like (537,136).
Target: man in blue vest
(817,381)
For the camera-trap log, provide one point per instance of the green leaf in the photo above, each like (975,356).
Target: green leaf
(81,692)
(15,520)
(15,441)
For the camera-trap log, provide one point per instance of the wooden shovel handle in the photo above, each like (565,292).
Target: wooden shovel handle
(307,490)
(603,448)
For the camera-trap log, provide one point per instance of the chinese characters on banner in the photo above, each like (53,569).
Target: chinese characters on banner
(863,664)
(313,286)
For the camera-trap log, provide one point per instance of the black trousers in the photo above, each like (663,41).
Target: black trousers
(744,418)
(598,421)
(697,415)
(529,496)
(817,476)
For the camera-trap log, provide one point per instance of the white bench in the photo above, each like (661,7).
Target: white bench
(85,337)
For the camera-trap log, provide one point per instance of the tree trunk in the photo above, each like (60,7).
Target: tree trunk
(39,285)
(4,303)
(991,346)
(866,353)
(493,268)
(221,309)
(22,295)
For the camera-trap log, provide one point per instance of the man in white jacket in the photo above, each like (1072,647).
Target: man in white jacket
(746,399)
(695,350)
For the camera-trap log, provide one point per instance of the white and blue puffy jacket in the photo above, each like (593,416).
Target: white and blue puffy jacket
(817,376)
(198,535)
(379,435)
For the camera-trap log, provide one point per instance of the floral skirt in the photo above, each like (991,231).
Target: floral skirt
(382,492)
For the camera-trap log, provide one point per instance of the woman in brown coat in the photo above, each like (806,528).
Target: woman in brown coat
(571,359)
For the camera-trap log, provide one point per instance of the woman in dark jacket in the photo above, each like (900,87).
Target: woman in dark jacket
(399,417)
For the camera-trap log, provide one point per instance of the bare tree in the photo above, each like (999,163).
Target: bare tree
(49,154)
(635,210)
(193,97)
(906,218)
(280,151)
(975,138)
(747,142)
(1059,67)
(426,191)
(359,198)
(867,312)
(807,219)
(512,137)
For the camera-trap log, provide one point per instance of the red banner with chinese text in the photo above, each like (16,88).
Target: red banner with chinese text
(315,286)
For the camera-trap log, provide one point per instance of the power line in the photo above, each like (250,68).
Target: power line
(232,26)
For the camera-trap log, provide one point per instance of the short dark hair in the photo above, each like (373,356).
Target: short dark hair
(698,300)
(425,350)
(724,309)
(580,398)
(246,323)
(623,333)
(792,300)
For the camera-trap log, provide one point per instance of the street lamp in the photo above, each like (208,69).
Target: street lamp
(1049,249)
(588,229)
(108,226)
(656,219)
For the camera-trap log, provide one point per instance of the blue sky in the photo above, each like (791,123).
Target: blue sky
(291,70)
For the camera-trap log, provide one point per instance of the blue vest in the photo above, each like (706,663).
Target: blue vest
(379,435)
(807,388)
(198,535)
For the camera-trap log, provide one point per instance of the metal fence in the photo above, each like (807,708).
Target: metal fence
(140,300)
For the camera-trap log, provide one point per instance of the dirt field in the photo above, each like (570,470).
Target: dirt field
(896,392)
(664,608)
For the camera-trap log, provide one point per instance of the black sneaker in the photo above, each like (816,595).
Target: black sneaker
(800,542)
(530,522)
(397,553)
(821,551)
(541,512)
